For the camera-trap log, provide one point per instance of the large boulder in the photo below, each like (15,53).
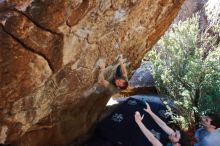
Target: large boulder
(48,51)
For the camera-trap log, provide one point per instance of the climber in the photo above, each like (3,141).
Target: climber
(120,79)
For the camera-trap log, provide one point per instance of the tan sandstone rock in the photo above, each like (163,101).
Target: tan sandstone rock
(48,51)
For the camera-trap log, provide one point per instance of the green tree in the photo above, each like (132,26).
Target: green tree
(186,70)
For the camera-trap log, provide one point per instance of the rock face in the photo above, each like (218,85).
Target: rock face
(142,77)
(48,50)
(208,11)
(189,8)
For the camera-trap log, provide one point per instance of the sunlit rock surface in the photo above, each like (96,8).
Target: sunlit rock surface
(142,77)
(48,51)
(208,10)
(189,8)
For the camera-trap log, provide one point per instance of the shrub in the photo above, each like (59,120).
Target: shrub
(186,69)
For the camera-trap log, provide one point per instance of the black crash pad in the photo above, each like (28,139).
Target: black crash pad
(120,129)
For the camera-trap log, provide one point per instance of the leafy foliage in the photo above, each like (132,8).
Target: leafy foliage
(186,69)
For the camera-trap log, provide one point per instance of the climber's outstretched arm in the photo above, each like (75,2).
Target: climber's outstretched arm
(123,66)
(101,79)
